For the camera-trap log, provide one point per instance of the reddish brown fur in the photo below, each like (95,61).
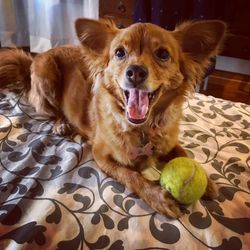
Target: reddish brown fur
(14,65)
(82,87)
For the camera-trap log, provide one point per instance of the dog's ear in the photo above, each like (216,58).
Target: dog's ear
(95,34)
(202,39)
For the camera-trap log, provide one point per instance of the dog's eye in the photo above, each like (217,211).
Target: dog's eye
(162,54)
(120,53)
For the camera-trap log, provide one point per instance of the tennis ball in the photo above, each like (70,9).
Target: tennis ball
(185,179)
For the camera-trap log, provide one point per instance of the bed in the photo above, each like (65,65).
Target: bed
(53,196)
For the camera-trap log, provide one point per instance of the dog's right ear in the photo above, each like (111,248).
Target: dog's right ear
(95,34)
(201,39)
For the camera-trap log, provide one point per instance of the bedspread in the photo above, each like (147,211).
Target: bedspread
(53,196)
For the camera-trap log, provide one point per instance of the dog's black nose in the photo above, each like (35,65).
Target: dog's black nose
(136,74)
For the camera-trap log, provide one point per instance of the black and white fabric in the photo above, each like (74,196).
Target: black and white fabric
(53,196)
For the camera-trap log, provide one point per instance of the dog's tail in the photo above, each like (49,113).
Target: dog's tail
(15,67)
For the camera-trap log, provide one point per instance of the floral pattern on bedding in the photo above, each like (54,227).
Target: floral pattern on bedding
(53,196)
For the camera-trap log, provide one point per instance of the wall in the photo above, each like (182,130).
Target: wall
(233,65)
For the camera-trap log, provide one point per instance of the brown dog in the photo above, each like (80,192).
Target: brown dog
(123,90)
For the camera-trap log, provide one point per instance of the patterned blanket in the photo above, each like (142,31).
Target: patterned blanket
(53,196)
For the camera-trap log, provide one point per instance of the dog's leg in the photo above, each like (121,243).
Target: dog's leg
(177,151)
(155,196)
(46,91)
(62,127)
(211,191)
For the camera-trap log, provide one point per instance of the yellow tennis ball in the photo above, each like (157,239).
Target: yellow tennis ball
(185,179)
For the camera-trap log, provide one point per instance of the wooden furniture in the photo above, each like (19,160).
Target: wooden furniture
(120,11)
(238,40)
(231,85)
(228,85)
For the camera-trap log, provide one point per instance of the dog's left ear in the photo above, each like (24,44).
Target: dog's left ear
(95,34)
(202,39)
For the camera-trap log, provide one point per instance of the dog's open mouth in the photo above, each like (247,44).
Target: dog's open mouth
(138,103)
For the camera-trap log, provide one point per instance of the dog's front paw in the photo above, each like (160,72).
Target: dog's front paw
(211,191)
(62,127)
(161,201)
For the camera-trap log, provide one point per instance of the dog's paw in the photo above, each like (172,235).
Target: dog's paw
(162,201)
(61,127)
(211,191)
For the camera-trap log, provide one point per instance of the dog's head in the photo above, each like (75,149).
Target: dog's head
(145,67)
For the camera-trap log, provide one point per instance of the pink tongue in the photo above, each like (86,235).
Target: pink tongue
(138,103)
